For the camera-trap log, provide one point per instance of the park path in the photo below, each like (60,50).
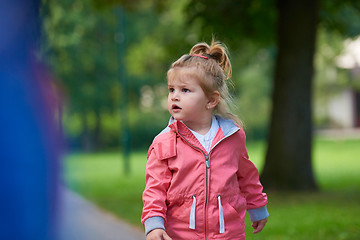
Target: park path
(82,220)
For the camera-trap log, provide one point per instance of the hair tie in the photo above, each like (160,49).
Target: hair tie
(197,55)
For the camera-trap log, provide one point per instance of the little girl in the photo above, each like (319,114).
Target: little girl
(199,180)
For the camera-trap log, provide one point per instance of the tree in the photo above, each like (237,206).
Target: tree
(289,27)
(288,159)
(82,45)
(81,49)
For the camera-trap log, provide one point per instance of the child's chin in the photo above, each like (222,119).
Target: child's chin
(178,118)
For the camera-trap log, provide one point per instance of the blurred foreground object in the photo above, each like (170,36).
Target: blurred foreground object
(29,141)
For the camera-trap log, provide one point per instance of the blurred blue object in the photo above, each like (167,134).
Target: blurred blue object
(29,141)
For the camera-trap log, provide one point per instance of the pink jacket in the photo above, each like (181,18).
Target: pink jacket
(200,195)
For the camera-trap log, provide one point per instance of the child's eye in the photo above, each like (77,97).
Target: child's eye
(185,90)
(171,90)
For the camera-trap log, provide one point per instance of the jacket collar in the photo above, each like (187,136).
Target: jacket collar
(226,128)
(181,129)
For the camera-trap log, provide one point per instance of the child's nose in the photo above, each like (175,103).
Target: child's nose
(175,96)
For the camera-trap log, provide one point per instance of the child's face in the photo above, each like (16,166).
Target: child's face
(186,100)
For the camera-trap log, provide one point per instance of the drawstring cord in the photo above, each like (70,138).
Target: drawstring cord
(221,216)
(192,213)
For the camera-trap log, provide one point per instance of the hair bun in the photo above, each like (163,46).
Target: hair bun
(216,51)
(200,48)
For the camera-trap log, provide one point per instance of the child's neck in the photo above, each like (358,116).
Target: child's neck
(201,127)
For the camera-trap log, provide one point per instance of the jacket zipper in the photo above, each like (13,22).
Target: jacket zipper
(207,167)
(207,187)
(207,162)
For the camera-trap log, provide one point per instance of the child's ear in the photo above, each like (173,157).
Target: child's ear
(213,100)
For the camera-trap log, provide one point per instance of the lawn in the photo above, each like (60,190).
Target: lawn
(331,214)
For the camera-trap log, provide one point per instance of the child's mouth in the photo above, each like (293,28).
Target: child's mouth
(175,107)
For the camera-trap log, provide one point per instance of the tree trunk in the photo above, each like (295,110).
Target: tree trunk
(288,158)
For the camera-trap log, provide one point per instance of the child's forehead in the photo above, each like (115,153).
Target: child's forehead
(183,76)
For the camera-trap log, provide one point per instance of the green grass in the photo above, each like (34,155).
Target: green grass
(332,213)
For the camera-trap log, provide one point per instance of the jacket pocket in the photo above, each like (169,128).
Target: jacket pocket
(227,210)
(231,214)
(180,210)
(165,149)
(238,203)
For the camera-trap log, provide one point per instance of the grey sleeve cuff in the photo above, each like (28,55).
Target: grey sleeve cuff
(258,213)
(153,223)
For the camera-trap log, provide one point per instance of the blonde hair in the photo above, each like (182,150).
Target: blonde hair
(215,70)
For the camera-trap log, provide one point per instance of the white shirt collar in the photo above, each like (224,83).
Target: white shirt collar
(207,139)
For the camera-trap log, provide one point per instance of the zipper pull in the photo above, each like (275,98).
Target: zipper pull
(207,161)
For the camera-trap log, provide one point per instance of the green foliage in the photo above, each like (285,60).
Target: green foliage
(341,17)
(92,45)
(243,23)
(252,88)
(329,214)
(235,21)
(83,55)
(145,126)
(84,44)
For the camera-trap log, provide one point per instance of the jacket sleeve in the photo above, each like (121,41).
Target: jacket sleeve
(250,186)
(157,177)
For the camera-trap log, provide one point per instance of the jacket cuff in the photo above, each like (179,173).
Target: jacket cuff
(258,213)
(153,223)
